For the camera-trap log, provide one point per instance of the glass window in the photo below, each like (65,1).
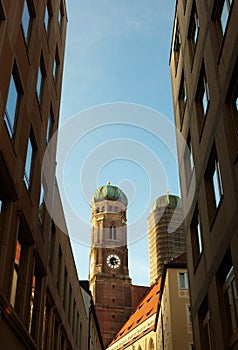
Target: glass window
(56,65)
(49,126)
(202,98)
(193,29)
(213,183)
(61,15)
(26,20)
(177,45)
(189,314)
(183,280)
(225,14)
(205,329)
(28,164)
(217,183)
(182,98)
(196,237)
(13,100)
(40,80)
(41,213)
(231,300)
(47,18)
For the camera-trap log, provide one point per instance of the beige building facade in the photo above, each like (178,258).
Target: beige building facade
(174,324)
(204,74)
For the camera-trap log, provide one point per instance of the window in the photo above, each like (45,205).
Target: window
(21,288)
(202,98)
(177,45)
(65,287)
(229,294)
(56,65)
(69,304)
(13,101)
(110,208)
(183,280)
(52,245)
(232,111)
(61,15)
(188,160)
(193,30)
(28,171)
(221,14)
(41,212)
(50,122)
(47,18)
(40,80)
(231,300)
(35,300)
(196,237)
(116,209)
(189,314)
(213,184)
(102,209)
(112,232)
(27,20)
(205,327)
(182,98)
(184,5)
(59,269)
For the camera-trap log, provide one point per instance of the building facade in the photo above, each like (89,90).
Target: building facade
(32,40)
(165,233)
(204,73)
(41,303)
(173,321)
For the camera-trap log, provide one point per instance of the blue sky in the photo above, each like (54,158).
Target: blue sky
(117,59)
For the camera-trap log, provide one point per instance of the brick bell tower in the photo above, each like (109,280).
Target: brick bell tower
(109,279)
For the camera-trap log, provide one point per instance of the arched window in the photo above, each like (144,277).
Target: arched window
(102,209)
(97,210)
(112,232)
(98,234)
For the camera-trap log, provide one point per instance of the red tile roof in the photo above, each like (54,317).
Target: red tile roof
(146,307)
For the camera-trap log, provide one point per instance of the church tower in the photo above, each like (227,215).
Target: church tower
(109,279)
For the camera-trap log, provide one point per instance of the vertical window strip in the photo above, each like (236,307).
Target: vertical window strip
(28,164)
(217,183)
(26,19)
(13,99)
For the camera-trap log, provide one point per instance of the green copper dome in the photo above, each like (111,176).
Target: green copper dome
(110,193)
(167,200)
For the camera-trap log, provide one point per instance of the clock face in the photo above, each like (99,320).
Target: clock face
(113,261)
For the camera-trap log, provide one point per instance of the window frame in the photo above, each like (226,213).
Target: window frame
(29,159)
(56,66)
(185,284)
(50,125)
(11,121)
(182,97)
(203,92)
(49,13)
(189,165)
(196,237)
(27,29)
(40,80)
(213,167)
(193,30)
(177,46)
